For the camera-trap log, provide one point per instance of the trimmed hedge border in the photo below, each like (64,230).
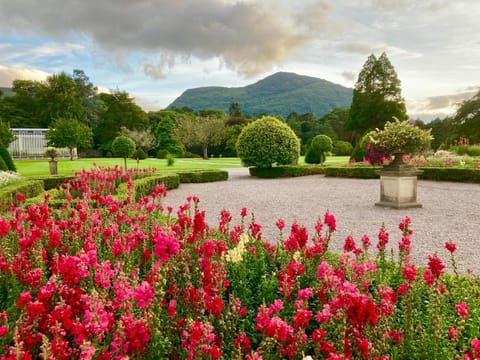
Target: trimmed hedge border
(201,176)
(29,188)
(52,181)
(453,174)
(286,171)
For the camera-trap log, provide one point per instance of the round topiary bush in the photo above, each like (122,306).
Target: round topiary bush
(267,141)
(139,154)
(124,147)
(319,147)
(342,148)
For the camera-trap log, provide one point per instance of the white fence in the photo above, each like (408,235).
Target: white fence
(31,144)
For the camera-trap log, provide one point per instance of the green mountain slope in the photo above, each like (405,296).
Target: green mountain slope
(279,94)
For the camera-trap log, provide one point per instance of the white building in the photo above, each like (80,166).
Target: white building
(31,144)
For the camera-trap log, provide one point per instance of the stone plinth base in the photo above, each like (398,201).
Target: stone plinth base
(398,191)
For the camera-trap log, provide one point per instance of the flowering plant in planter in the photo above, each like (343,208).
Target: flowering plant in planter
(51,152)
(399,137)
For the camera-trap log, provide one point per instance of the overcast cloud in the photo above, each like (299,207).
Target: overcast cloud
(156,49)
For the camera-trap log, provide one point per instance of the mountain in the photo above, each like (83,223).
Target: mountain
(279,94)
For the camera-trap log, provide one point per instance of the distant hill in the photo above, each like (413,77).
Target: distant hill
(7,91)
(279,94)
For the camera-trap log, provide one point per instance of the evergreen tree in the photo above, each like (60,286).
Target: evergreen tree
(376,97)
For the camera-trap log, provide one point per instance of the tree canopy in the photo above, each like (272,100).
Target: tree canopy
(376,97)
(467,119)
(70,133)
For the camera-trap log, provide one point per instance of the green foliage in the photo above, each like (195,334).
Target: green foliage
(202,131)
(139,154)
(470,150)
(377,96)
(170,159)
(467,119)
(162,154)
(202,176)
(286,171)
(267,141)
(360,150)
(144,139)
(124,147)
(70,133)
(29,188)
(319,147)
(359,172)
(3,166)
(342,148)
(7,158)
(118,110)
(6,134)
(163,124)
(281,93)
(51,182)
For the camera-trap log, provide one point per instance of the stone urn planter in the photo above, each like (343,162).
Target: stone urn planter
(53,167)
(398,185)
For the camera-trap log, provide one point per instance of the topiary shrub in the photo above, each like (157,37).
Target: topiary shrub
(319,147)
(267,141)
(139,154)
(360,150)
(3,166)
(342,148)
(7,158)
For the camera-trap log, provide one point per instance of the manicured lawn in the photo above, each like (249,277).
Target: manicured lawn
(66,167)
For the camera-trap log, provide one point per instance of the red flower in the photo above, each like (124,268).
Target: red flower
(428,277)
(452,332)
(409,272)
(3,330)
(330,221)
(451,246)
(280,224)
(20,197)
(435,265)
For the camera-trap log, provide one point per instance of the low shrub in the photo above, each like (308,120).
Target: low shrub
(455,174)
(342,148)
(201,176)
(162,154)
(286,171)
(145,186)
(318,149)
(52,181)
(16,193)
(170,160)
(470,150)
(139,154)
(360,172)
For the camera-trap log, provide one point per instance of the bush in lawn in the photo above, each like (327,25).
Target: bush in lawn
(342,148)
(267,141)
(124,147)
(139,154)
(7,158)
(319,147)
(162,154)
(170,160)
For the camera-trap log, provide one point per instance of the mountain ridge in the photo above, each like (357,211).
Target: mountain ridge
(278,94)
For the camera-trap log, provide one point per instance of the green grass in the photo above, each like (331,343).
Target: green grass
(67,167)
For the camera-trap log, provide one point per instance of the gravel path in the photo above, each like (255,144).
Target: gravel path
(451,211)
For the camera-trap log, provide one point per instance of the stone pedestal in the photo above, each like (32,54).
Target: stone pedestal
(53,167)
(398,185)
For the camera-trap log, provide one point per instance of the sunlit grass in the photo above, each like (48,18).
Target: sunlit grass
(67,167)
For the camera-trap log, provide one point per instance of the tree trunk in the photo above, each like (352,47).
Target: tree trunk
(205,151)
(71,153)
(125,161)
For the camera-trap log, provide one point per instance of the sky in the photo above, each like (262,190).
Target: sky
(157,49)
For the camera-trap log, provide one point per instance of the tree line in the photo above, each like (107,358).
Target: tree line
(79,116)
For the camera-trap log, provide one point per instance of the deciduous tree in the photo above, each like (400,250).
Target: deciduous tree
(69,133)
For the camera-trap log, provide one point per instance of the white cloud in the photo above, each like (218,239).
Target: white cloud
(10,73)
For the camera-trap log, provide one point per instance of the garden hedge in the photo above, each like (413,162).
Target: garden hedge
(201,176)
(286,171)
(29,189)
(52,181)
(454,174)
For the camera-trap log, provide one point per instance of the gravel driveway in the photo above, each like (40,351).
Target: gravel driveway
(451,211)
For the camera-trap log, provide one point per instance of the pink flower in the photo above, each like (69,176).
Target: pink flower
(3,330)
(409,272)
(330,221)
(462,310)
(165,245)
(144,294)
(304,294)
(428,277)
(452,332)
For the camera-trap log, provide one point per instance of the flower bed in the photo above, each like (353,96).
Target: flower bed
(134,279)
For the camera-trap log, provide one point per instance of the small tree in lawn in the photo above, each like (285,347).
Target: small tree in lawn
(69,133)
(124,147)
(319,147)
